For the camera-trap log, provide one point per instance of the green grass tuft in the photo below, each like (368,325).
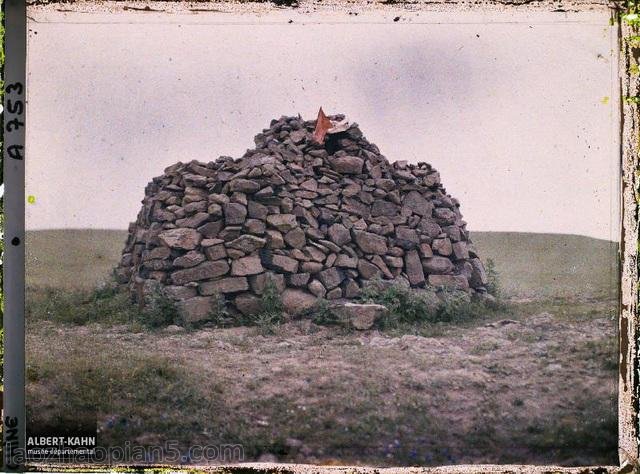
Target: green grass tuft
(271,311)
(405,305)
(409,306)
(493,285)
(158,312)
(107,304)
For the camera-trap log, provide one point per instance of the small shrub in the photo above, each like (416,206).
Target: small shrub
(79,308)
(106,289)
(219,314)
(271,310)
(105,304)
(267,322)
(271,302)
(57,306)
(159,311)
(409,306)
(493,284)
(458,306)
(322,314)
(405,305)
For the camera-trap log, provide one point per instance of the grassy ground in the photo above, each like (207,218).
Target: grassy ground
(546,265)
(71,258)
(534,382)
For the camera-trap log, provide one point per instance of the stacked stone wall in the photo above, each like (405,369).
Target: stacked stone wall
(318,220)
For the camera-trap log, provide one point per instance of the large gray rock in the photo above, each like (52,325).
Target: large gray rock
(224,285)
(339,234)
(257,210)
(215,252)
(429,227)
(346,261)
(347,164)
(282,222)
(247,243)
(295,238)
(413,268)
(407,238)
(437,265)
(156,253)
(255,226)
(282,263)
(248,304)
(317,289)
(299,279)
(195,309)
(361,316)
(260,281)
(370,243)
(187,239)
(351,289)
(444,215)
(210,230)
(194,180)
(460,251)
(331,277)
(311,267)
(383,208)
(368,270)
(478,275)
(296,301)
(203,271)
(193,221)
(449,281)
(180,292)
(244,266)
(234,213)
(244,186)
(190,259)
(416,203)
(379,262)
(442,246)
(274,239)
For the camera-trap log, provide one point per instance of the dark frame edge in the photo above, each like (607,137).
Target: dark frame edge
(14,416)
(629,322)
(629,389)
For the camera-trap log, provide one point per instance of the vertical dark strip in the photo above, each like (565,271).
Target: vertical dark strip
(14,234)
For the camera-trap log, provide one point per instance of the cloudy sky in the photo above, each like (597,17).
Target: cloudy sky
(517,114)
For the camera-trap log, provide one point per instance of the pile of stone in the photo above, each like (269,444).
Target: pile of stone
(317,220)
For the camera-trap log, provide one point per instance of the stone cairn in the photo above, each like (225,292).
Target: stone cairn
(318,220)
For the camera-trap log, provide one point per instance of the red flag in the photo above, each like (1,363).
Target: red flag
(322,125)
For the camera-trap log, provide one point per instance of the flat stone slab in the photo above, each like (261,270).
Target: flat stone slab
(361,316)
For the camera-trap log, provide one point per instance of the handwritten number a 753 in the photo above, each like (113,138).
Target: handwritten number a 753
(15,106)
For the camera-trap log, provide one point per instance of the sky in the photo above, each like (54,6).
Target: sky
(519,116)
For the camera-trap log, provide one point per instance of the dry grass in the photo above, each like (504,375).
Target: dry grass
(72,259)
(489,391)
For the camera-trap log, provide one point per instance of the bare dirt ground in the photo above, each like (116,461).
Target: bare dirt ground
(536,384)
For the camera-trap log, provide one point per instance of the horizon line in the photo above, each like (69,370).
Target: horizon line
(111,229)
